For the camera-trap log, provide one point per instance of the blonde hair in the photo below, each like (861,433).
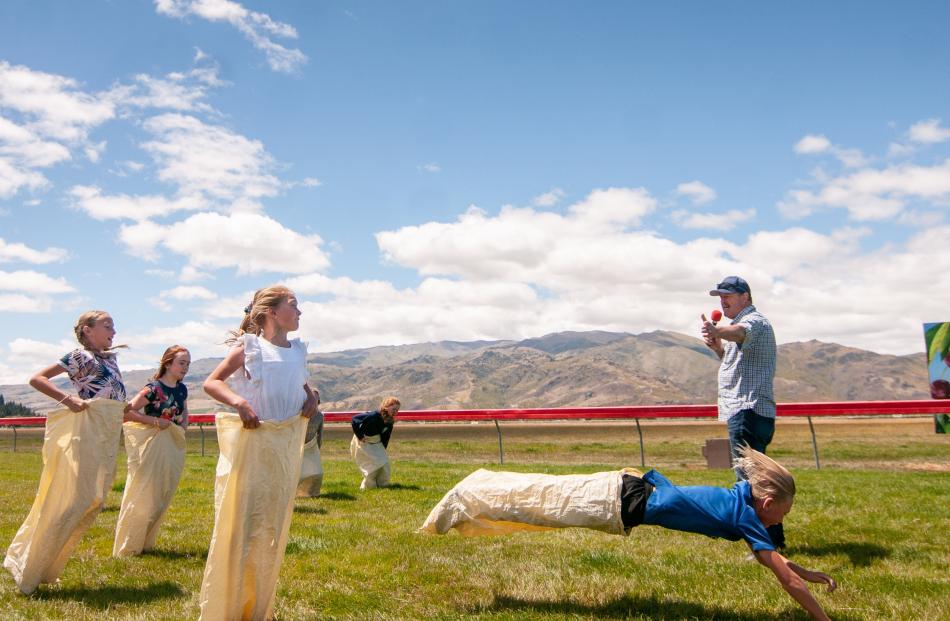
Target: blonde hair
(89,319)
(167,358)
(255,313)
(387,403)
(768,478)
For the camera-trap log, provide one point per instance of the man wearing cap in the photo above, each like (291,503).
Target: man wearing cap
(746,347)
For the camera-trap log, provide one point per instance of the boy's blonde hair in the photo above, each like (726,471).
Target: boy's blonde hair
(768,478)
(255,312)
(89,318)
(387,403)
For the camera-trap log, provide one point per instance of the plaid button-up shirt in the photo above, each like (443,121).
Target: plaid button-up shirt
(748,368)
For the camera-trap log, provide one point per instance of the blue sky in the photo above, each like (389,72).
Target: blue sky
(443,170)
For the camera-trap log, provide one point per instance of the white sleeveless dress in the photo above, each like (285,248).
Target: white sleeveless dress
(273,377)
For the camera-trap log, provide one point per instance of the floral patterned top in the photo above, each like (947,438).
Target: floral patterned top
(94,375)
(165,402)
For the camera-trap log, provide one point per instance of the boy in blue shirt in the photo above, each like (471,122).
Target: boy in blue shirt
(487,503)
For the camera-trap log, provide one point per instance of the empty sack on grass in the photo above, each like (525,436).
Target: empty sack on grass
(502,503)
(255,484)
(156,458)
(79,459)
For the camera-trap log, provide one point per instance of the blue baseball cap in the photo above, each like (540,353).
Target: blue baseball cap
(731,284)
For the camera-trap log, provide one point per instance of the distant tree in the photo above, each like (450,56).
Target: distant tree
(14,409)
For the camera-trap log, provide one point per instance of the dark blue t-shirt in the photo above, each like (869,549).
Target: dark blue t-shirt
(372,424)
(165,402)
(707,510)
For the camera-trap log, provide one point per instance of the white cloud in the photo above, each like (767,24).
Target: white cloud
(519,242)
(431,167)
(189,293)
(812,143)
(33,282)
(549,199)
(126,167)
(564,273)
(26,146)
(13,178)
(929,132)
(94,151)
(120,206)
(44,116)
(24,357)
(211,160)
(252,243)
(53,104)
(256,27)
(21,252)
(899,149)
(161,273)
(436,309)
(624,206)
(181,92)
(873,194)
(716,221)
(201,337)
(790,271)
(190,274)
(19,303)
(697,191)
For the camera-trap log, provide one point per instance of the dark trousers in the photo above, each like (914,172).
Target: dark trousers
(747,427)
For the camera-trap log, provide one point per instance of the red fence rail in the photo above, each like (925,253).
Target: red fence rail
(632,412)
(629,412)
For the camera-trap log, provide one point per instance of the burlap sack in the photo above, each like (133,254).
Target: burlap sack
(372,460)
(311,468)
(156,459)
(257,475)
(501,503)
(79,459)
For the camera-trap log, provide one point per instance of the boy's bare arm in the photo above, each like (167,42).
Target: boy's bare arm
(793,582)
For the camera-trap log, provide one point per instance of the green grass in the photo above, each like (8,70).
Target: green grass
(880,530)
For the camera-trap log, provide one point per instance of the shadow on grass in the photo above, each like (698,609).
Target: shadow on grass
(403,486)
(310,510)
(104,597)
(651,607)
(860,553)
(109,509)
(177,554)
(337,496)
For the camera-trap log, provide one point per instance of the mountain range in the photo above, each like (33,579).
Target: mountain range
(567,369)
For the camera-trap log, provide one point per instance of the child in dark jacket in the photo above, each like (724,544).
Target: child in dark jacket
(371,433)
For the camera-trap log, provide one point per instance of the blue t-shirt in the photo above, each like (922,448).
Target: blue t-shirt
(707,510)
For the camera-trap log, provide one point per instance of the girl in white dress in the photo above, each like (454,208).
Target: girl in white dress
(269,390)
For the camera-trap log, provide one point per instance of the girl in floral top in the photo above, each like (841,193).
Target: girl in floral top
(92,369)
(165,398)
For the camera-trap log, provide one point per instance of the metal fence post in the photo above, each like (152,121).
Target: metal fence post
(501,450)
(14,438)
(201,428)
(640,433)
(814,443)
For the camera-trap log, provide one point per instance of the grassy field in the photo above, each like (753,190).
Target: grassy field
(874,517)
